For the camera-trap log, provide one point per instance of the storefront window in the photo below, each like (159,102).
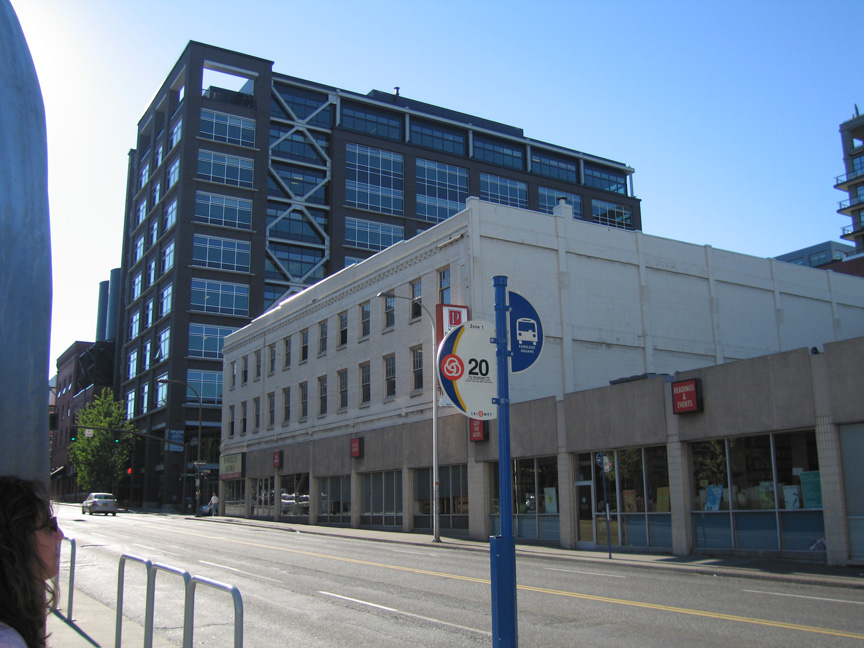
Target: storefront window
(535,498)
(773,499)
(710,487)
(631,480)
(752,473)
(294,499)
(234,495)
(452,494)
(636,484)
(334,500)
(381,498)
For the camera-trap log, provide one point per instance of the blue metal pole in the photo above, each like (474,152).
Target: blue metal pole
(502,548)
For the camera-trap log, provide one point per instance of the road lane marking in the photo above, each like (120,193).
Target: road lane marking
(239,571)
(576,571)
(409,614)
(814,598)
(527,588)
(155,549)
(413,553)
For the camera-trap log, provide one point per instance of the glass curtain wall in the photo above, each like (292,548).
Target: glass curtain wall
(381,498)
(452,494)
(758,492)
(334,500)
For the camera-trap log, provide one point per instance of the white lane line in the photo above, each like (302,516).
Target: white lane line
(155,549)
(814,598)
(413,553)
(576,571)
(408,614)
(239,571)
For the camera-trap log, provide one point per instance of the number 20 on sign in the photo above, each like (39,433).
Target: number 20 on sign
(467,369)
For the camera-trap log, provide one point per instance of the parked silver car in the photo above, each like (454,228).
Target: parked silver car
(99,503)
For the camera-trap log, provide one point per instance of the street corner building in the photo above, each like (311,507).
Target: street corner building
(714,393)
(293,253)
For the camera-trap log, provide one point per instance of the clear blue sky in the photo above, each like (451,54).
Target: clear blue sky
(728,111)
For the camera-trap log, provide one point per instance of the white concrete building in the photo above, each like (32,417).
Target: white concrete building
(335,363)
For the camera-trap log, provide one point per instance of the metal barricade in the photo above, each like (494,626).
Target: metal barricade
(70,597)
(118,627)
(190,582)
(189,612)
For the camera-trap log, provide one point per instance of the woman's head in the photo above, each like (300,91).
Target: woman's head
(29,556)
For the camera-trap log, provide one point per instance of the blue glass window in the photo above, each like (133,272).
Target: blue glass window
(605,179)
(207,341)
(306,106)
(611,214)
(227,169)
(503,191)
(300,262)
(441,190)
(208,384)
(556,168)
(364,119)
(224,254)
(373,179)
(549,199)
(297,145)
(435,136)
(223,210)
(222,127)
(296,224)
(499,153)
(302,183)
(370,235)
(219,297)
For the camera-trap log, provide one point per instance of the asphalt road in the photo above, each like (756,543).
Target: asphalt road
(310,590)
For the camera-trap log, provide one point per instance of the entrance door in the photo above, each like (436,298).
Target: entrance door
(585,514)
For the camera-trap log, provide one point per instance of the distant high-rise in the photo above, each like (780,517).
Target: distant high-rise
(247,185)
(852,137)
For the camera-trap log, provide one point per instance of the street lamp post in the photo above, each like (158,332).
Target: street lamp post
(436,525)
(198,459)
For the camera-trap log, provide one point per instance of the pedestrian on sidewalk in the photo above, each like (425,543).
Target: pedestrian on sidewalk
(29,558)
(214,504)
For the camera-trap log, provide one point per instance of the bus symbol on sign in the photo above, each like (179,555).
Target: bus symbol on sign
(526,330)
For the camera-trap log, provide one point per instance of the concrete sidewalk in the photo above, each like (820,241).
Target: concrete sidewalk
(93,623)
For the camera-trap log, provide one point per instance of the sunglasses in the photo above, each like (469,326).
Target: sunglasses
(50,525)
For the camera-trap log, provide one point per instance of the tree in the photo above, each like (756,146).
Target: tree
(101,459)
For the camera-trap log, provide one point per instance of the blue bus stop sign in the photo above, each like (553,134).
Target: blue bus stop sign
(526,333)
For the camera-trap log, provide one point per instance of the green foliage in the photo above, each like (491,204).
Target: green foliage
(101,459)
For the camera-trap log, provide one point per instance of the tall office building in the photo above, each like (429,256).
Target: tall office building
(852,181)
(245,191)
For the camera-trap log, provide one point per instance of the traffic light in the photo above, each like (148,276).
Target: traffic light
(129,471)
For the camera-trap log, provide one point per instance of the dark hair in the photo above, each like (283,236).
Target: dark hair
(24,596)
